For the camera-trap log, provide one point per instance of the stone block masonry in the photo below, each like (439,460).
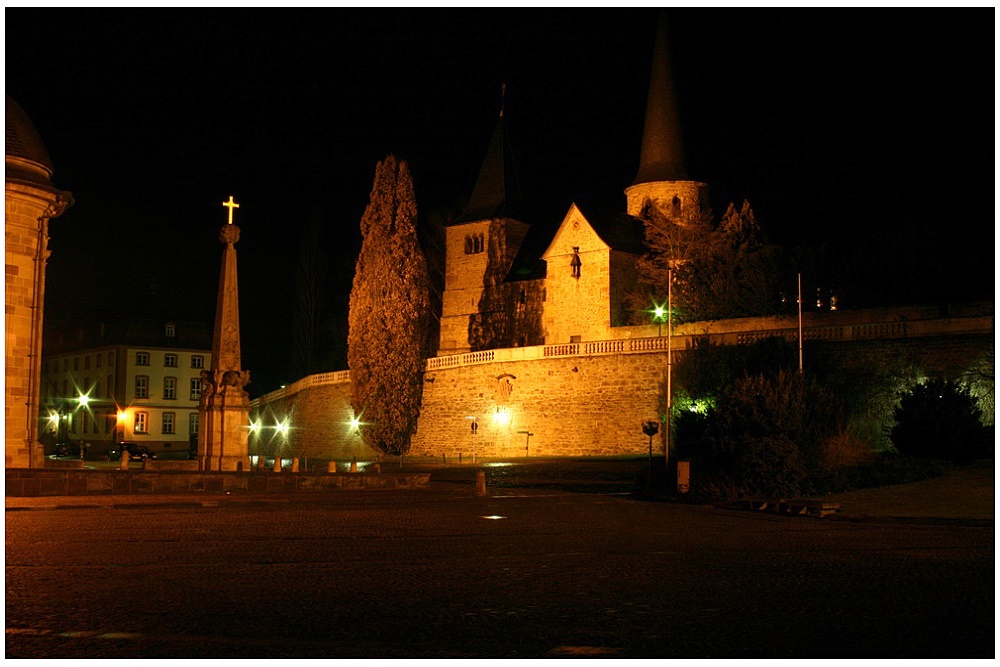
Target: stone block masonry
(591,398)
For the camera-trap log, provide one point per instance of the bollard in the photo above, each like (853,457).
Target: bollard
(295,464)
(354,464)
(277,464)
(124,464)
(480,483)
(260,463)
(331,467)
(377,468)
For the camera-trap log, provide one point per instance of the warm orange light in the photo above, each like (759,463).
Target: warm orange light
(122,416)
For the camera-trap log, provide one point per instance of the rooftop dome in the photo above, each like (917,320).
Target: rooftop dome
(26,159)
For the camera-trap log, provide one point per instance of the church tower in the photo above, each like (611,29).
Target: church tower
(662,181)
(479,249)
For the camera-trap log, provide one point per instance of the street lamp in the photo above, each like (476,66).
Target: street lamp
(83,400)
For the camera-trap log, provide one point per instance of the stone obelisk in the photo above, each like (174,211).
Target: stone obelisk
(224,421)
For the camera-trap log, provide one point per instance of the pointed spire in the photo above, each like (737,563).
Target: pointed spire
(662,157)
(489,198)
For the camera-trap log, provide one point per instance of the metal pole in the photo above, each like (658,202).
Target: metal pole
(670,331)
(800,323)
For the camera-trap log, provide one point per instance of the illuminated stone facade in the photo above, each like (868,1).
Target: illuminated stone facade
(30,202)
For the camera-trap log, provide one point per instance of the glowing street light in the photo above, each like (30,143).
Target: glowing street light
(84,401)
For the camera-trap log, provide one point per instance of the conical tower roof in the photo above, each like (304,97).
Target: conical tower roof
(662,156)
(495,194)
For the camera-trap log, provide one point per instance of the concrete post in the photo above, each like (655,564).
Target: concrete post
(331,467)
(480,483)
(354,465)
(295,464)
(277,464)
(377,468)
(124,462)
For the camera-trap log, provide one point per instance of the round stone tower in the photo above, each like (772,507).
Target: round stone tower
(662,180)
(31,200)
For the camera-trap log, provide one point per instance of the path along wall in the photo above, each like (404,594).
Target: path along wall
(591,398)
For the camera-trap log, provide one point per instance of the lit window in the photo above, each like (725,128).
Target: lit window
(169,388)
(170,360)
(195,389)
(142,358)
(142,386)
(168,422)
(141,419)
(197,362)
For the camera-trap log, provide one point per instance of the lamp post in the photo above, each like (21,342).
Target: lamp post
(83,400)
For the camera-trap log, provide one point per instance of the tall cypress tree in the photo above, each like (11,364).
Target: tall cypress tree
(389,314)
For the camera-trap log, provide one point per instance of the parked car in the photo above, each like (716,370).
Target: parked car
(67,450)
(136,452)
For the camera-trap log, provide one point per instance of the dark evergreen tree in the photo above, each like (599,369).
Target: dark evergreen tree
(388,314)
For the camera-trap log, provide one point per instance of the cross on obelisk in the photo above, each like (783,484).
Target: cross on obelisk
(223,422)
(230,205)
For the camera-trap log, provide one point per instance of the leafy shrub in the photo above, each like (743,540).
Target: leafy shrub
(940,419)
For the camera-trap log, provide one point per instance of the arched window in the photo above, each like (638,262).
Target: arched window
(468,245)
(675,206)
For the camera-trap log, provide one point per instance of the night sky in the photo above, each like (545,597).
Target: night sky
(864,131)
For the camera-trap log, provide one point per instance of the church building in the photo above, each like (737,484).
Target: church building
(501,292)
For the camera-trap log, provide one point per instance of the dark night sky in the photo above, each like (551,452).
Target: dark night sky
(854,128)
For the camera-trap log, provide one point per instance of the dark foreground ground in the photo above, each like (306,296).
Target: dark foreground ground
(538,568)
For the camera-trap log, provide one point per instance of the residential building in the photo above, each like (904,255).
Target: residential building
(135,380)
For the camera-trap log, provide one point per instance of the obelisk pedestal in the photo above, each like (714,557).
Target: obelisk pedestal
(224,410)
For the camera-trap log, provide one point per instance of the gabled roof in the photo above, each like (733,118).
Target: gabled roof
(61,338)
(619,231)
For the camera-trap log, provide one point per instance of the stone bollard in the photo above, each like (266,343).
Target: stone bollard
(331,467)
(354,464)
(124,463)
(295,464)
(480,483)
(277,464)
(260,463)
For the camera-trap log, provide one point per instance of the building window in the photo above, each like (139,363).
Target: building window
(97,388)
(142,386)
(475,244)
(193,423)
(170,330)
(141,420)
(575,263)
(170,360)
(197,361)
(142,358)
(111,358)
(64,387)
(195,389)
(168,422)
(169,388)
(675,206)
(86,363)
(65,365)
(98,360)
(574,339)
(76,363)
(107,388)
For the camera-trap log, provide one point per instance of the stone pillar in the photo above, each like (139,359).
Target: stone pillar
(224,424)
